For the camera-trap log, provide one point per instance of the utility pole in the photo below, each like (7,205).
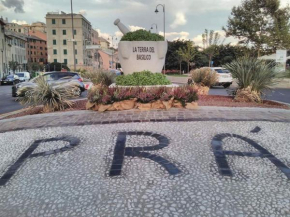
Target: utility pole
(73,34)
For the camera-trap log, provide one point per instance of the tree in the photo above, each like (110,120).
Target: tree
(260,23)
(172,60)
(187,53)
(210,40)
(179,59)
(34,67)
(13,65)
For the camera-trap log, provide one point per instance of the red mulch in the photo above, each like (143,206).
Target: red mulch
(210,100)
(228,101)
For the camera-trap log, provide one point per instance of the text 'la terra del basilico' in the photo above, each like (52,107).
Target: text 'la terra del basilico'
(143,50)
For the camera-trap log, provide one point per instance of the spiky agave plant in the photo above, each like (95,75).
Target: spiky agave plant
(53,98)
(100,77)
(254,73)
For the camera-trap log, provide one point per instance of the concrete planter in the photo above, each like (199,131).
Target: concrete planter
(136,56)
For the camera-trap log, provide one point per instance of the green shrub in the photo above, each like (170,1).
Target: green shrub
(99,77)
(204,77)
(142,78)
(142,35)
(254,73)
(52,98)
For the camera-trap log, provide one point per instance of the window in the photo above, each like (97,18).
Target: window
(19,30)
(63,21)
(64,32)
(55,60)
(53,21)
(75,32)
(65,61)
(64,42)
(76,61)
(54,51)
(54,32)
(65,51)
(76,51)
(75,43)
(54,42)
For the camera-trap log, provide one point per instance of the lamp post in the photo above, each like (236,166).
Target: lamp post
(156,11)
(73,34)
(112,38)
(154,24)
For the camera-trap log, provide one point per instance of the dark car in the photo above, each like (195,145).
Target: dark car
(55,79)
(10,79)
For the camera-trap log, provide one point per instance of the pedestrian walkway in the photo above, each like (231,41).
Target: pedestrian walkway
(212,161)
(79,118)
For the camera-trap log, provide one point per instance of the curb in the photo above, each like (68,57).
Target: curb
(2,116)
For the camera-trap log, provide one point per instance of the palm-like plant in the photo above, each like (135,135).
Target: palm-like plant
(254,73)
(99,77)
(187,53)
(53,98)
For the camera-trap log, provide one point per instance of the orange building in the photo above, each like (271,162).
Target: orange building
(36,50)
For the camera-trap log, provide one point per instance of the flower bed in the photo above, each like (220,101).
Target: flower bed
(101,98)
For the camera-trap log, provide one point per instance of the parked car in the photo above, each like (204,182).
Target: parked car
(225,78)
(10,79)
(55,79)
(23,76)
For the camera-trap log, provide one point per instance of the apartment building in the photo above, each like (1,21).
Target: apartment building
(37,26)
(2,48)
(14,27)
(17,49)
(59,39)
(36,50)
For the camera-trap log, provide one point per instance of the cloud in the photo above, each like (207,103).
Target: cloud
(19,22)
(83,12)
(180,20)
(16,4)
(2,8)
(135,28)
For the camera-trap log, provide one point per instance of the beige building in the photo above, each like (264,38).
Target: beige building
(16,49)
(14,27)
(2,48)
(104,43)
(37,26)
(60,43)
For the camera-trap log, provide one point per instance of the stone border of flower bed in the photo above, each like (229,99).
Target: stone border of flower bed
(101,98)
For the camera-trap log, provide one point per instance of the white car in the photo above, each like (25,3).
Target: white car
(23,76)
(225,78)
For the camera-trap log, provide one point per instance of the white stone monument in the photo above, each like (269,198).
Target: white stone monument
(136,56)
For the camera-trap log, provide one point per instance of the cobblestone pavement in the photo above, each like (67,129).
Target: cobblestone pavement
(205,162)
(80,118)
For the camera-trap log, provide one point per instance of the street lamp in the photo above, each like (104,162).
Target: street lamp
(154,24)
(112,37)
(156,11)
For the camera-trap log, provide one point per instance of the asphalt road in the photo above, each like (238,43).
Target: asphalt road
(9,104)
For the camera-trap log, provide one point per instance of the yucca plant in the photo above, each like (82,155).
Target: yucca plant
(99,77)
(53,98)
(254,73)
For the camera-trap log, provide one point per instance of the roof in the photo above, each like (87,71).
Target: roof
(2,22)
(34,37)
(16,35)
(101,39)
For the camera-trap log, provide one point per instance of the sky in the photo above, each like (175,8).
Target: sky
(185,19)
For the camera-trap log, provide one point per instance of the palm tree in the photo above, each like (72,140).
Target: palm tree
(210,41)
(187,53)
